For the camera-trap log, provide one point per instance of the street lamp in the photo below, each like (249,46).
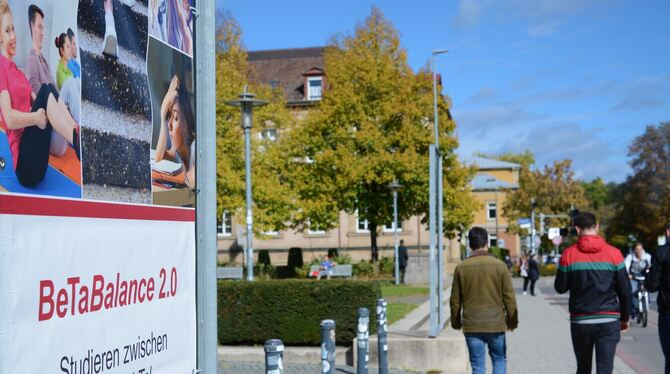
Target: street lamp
(395,186)
(247,102)
(435,53)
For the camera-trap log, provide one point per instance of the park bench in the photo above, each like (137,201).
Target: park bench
(343,271)
(228,272)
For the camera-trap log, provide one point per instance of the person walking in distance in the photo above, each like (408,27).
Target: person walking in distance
(533,273)
(402,260)
(659,280)
(523,271)
(483,304)
(600,298)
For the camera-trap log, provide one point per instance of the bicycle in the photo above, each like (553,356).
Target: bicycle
(642,300)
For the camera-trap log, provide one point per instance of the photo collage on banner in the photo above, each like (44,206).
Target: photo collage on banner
(40,69)
(122,123)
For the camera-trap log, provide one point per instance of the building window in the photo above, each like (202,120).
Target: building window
(314,230)
(268,134)
(390,227)
(492,210)
(314,88)
(225,227)
(493,240)
(274,84)
(362,225)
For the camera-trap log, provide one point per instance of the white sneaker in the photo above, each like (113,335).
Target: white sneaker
(525,292)
(109,45)
(129,3)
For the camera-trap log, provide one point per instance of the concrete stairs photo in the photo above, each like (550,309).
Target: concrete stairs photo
(116,105)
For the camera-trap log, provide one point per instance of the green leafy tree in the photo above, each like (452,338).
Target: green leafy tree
(643,202)
(553,187)
(373,125)
(273,201)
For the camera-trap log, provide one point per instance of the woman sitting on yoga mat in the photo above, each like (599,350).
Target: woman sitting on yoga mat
(178,120)
(29,127)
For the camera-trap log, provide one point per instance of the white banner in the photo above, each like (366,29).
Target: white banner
(93,295)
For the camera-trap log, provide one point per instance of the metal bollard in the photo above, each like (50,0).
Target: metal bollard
(363,337)
(328,346)
(274,356)
(382,343)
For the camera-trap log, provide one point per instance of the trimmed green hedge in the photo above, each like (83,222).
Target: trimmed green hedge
(292,310)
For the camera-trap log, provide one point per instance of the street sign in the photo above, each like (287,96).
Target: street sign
(501,243)
(524,223)
(554,232)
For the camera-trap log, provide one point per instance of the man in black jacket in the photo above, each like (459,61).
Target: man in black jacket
(659,280)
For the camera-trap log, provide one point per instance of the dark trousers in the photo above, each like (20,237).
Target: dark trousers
(664,335)
(31,167)
(604,337)
(402,274)
(526,280)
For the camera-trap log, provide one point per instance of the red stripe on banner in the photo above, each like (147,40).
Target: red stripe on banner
(40,206)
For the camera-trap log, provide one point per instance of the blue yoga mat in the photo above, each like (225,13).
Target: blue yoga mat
(53,184)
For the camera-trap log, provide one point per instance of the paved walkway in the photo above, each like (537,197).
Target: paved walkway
(253,367)
(542,343)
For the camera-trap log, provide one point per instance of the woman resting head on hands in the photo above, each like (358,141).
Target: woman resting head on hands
(178,122)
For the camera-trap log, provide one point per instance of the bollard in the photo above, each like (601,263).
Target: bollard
(382,343)
(274,356)
(363,337)
(328,346)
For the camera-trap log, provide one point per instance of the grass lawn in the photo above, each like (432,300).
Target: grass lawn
(396,312)
(402,299)
(390,291)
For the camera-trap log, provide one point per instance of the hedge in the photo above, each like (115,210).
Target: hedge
(292,310)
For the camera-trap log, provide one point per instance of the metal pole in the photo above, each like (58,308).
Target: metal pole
(205,225)
(328,346)
(247,177)
(435,124)
(274,356)
(441,313)
(432,208)
(395,237)
(382,342)
(532,226)
(247,102)
(363,340)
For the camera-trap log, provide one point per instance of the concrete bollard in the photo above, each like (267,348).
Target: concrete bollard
(363,337)
(274,356)
(382,343)
(328,346)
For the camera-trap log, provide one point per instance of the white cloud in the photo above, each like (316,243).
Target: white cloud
(544,29)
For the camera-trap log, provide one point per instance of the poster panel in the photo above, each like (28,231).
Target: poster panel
(97,180)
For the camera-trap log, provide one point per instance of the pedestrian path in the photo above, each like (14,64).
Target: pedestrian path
(258,367)
(542,343)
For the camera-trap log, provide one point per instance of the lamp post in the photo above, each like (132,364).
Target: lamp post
(436,218)
(247,102)
(395,186)
(437,134)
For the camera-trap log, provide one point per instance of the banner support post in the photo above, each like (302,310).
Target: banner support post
(205,71)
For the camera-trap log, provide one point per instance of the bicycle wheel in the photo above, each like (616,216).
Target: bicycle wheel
(644,311)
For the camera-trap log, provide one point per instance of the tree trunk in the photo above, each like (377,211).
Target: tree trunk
(374,252)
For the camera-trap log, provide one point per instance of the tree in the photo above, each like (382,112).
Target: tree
(273,200)
(643,204)
(554,189)
(372,126)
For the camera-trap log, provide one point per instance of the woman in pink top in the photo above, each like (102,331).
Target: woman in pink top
(28,118)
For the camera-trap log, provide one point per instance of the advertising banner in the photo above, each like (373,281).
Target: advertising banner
(97,181)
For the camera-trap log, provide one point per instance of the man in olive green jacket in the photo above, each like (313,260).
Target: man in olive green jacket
(482,290)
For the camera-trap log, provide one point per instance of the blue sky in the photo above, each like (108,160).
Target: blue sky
(575,79)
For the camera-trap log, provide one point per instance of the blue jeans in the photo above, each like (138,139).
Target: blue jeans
(477,343)
(664,335)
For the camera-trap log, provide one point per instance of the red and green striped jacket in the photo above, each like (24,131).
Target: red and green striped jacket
(594,273)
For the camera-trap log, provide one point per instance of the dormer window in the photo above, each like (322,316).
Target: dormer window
(314,88)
